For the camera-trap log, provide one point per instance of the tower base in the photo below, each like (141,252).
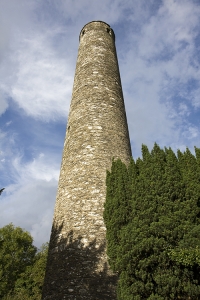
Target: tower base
(83,271)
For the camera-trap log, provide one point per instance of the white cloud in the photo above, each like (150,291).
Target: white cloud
(29,201)
(43,82)
(13,15)
(174,24)
(191,132)
(87,11)
(30,206)
(40,168)
(6,144)
(156,69)
(184,110)
(30,188)
(3,105)
(195,98)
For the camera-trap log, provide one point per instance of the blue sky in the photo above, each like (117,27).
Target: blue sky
(158,47)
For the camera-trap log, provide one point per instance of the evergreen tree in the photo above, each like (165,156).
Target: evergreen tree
(156,251)
(116,214)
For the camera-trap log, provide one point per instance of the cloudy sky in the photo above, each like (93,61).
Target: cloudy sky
(158,46)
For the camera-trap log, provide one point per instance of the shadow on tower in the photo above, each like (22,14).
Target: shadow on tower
(78,277)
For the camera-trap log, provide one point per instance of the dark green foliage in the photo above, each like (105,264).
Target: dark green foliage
(21,266)
(30,283)
(152,219)
(116,214)
(16,253)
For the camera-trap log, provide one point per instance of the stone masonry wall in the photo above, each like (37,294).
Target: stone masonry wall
(96,132)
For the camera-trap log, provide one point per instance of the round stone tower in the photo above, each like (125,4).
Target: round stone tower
(97,132)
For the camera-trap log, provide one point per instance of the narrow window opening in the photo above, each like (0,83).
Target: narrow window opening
(108,30)
(83,32)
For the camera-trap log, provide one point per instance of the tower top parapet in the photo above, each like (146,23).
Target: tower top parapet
(97,25)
